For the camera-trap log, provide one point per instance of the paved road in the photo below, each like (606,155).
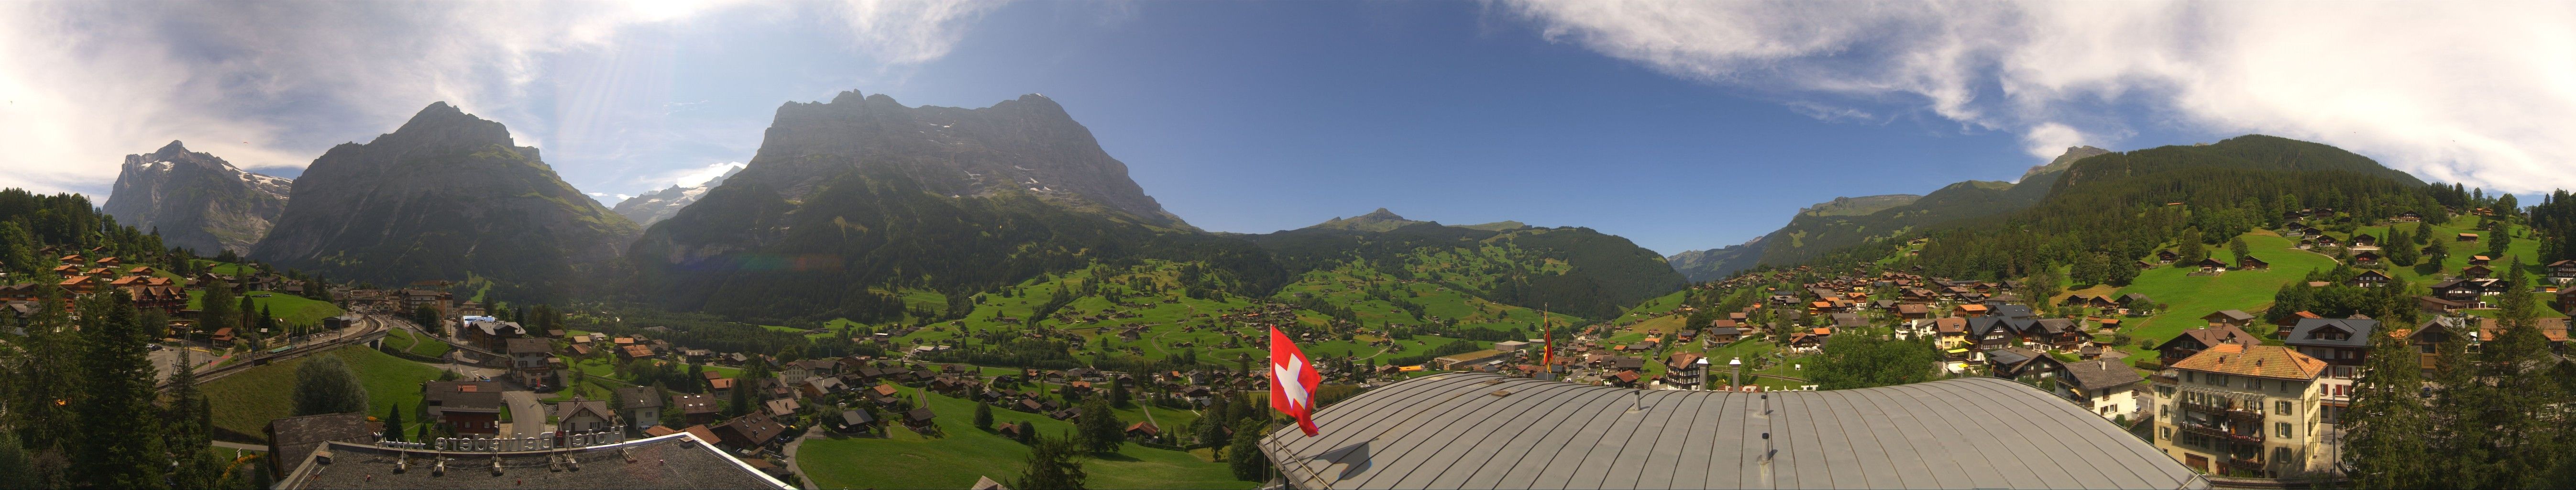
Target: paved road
(815,432)
(527,417)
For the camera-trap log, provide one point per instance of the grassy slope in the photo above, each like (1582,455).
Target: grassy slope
(244,402)
(288,308)
(909,460)
(2187,297)
(1164,321)
(415,344)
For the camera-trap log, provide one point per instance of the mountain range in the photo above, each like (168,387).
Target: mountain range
(196,200)
(660,205)
(446,196)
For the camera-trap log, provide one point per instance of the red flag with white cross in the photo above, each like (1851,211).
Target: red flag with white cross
(1292,381)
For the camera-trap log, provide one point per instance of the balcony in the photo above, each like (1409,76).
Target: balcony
(2238,412)
(2221,433)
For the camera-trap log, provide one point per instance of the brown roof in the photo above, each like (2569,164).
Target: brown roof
(291,439)
(2266,361)
(695,404)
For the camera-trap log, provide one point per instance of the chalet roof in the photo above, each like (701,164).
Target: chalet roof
(2359,330)
(1883,437)
(2265,361)
(2101,374)
(695,404)
(2214,336)
(569,408)
(2235,315)
(639,397)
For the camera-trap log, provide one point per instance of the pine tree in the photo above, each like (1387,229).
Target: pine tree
(2384,442)
(120,442)
(394,422)
(191,416)
(1118,392)
(984,416)
(1054,462)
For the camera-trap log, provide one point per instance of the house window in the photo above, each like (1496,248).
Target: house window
(2165,433)
(2280,454)
(2281,429)
(2281,408)
(2217,379)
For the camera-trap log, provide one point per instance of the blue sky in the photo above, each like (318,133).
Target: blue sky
(1680,126)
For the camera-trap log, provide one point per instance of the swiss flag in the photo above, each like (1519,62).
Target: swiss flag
(1292,381)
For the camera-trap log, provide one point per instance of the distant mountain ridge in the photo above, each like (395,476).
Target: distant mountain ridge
(659,205)
(196,200)
(446,196)
(1847,206)
(1811,234)
(1379,220)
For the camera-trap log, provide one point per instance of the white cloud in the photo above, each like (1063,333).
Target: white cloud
(273,84)
(702,175)
(2048,140)
(2481,93)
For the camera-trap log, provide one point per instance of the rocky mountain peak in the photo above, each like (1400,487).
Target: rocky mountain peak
(196,200)
(1028,145)
(171,150)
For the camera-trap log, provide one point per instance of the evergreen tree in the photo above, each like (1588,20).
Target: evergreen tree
(984,416)
(325,385)
(2237,246)
(1244,456)
(2384,442)
(1118,392)
(739,402)
(191,416)
(1100,428)
(2398,248)
(17,468)
(120,444)
(394,422)
(217,310)
(1054,463)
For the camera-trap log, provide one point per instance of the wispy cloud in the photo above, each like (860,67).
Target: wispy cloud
(273,84)
(2471,92)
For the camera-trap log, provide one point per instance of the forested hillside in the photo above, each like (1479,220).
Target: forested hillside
(1571,269)
(745,252)
(2116,208)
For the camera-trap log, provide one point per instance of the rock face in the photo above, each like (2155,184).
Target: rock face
(446,196)
(659,205)
(1026,145)
(196,200)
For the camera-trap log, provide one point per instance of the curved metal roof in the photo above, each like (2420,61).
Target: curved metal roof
(1475,430)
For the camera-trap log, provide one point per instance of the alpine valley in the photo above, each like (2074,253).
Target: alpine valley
(997,261)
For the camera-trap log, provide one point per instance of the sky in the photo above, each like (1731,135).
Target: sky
(1678,125)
